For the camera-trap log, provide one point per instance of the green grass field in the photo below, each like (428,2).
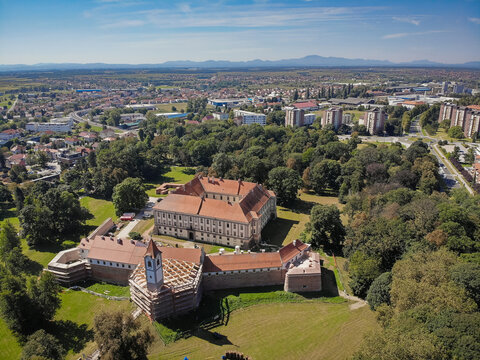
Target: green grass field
(143,225)
(9,347)
(291,221)
(110,289)
(101,210)
(175,174)
(77,313)
(308,330)
(166,108)
(10,215)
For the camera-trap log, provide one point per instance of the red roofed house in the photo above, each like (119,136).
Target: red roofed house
(9,134)
(217,211)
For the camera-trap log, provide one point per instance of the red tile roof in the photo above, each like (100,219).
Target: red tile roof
(230,262)
(288,252)
(111,249)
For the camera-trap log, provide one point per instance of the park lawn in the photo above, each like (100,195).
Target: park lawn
(306,330)
(10,215)
(110,289)
(10,349)
(80,308)
(100,209)
(167,108)
(175,174)
(357,114)
(143,225)
(42,256)
(290,222)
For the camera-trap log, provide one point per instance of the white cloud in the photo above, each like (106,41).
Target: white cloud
(474,20)
(409,20)
(404,34)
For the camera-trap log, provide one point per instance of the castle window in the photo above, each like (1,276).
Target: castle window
(158,261)
(169,216)
(103,262)
(179,217)
(149,263)
(123,265)
(228,225)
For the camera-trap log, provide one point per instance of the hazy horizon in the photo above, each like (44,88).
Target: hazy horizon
(153,32)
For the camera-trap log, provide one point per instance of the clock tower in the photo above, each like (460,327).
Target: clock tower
(153,266)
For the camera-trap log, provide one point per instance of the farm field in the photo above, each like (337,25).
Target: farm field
(307,330)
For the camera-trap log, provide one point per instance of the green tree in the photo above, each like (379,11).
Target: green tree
(285,183)
(222,163)
(456,132)
(42,345)
(325,226)
(363,271)
(129,195)
(8,239)
(44,293)
(5,194)
(119,336)
(379,291)
(324,175)
(295,95)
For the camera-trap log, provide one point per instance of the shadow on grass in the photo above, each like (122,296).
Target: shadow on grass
(277,230)
(212,337)
(71,335)
(329,284)
(7,213)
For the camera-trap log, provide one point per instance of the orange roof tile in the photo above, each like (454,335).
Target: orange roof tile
(110,249)
(288,252)
(229,262)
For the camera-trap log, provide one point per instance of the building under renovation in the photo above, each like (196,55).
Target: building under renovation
(168,281)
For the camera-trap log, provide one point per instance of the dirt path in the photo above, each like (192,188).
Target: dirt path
(358,302)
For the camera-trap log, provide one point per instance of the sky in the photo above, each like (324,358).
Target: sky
(147,31)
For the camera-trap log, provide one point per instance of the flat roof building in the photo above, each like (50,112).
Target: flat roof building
(248,117)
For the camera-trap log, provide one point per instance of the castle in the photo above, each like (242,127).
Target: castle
(168,281)
(217,211)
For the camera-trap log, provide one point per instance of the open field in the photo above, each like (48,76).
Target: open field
(307,330)
(291,221)
(175,174)
(166,108)
(101,210)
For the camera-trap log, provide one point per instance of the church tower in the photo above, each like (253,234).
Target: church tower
(153,266)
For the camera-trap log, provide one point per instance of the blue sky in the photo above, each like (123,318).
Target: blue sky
(144,31)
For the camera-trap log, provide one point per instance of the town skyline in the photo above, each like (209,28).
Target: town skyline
(133,32)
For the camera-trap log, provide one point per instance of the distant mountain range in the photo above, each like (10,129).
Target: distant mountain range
(307,61)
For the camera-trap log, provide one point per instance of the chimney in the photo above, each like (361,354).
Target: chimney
(263,250)
(237,249)
(294,242)
(221,251)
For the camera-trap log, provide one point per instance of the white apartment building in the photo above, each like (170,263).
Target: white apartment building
(55,125)
(248,117)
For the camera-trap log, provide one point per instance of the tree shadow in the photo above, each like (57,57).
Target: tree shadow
(7,213)
(212,337)
(277,230)
(71,335)
(32,267)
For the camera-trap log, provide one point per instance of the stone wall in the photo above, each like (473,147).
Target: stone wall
(303,282)
(110,274)
(243,279)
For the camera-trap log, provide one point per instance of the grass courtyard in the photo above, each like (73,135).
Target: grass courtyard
(291,221)
(166,108)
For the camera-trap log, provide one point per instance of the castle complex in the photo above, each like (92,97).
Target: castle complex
(217,211)
(168,281)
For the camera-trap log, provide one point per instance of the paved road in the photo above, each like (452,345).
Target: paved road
(76,117)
